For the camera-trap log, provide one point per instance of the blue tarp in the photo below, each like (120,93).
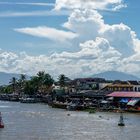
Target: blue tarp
(124,100)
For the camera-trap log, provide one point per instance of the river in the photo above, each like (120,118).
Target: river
(41,122)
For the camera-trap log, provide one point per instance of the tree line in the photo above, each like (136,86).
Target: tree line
(41,83)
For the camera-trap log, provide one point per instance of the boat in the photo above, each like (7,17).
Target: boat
(1,122)
(59,105)
(121,121)
(28,100)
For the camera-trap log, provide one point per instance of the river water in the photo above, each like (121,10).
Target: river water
(40,122)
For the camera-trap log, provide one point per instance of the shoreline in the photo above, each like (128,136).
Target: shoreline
(91,110)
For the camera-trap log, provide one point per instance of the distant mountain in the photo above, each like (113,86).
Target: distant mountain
(115,75)
(6,77)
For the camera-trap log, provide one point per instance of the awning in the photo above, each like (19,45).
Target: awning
(124,94)
(133,102)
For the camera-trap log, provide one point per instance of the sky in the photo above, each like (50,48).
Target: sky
(74,37)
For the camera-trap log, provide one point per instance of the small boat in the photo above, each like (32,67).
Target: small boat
(121,121)
(28,100)
(1,122)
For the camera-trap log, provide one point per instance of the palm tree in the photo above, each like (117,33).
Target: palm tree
(23,77)
(29,88)
(48,82)
(41,75)
(45,81)
(21,83)
(61,80)
(13,83)
(34,82)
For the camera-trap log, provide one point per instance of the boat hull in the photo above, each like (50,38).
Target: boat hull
(121,124)
(1,126)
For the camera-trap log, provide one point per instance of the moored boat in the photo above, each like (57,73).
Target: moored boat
(28,100)
(1,122)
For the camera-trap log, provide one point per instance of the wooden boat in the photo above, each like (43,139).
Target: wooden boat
(121,121)
(59,105)
(1,122)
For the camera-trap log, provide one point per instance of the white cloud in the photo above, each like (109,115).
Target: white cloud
(86,22)
(89,24)
(25,3)
(90,4)
(101,47)
(34,13)
(121,37)
(85,61)
(46,32)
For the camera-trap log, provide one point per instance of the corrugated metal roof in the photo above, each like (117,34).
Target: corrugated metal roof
(124,94)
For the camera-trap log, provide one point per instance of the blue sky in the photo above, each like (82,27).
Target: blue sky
(47,30)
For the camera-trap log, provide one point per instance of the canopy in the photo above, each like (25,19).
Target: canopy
(125,94)
(133,102)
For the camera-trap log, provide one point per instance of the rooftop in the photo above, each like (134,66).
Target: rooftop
(124,94)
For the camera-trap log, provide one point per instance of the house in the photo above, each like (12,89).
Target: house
(119,86)
(136,85)
(86,84)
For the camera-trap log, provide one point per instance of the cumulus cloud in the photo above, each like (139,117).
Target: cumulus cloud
(90,4)
(46,32)
(86,23)
(89,58)
(121,37)
(89,24)
(101,46)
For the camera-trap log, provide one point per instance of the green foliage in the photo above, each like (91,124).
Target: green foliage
(29,88)
(40,83)
(61,80)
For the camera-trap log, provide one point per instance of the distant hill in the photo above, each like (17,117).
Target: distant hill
(115,75)
(6,77)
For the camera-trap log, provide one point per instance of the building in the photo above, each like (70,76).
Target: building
(136,85)
(123,86)
(129,100)
(86,84)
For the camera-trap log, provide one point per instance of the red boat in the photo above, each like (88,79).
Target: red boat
(1,122)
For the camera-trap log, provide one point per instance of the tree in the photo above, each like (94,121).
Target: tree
(45,81)
(61,80)
(13,83)
(29,88)
(34,82)
(48,82)
(23,77)
(21,82)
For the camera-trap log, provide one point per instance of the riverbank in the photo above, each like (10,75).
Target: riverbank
(72,103)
